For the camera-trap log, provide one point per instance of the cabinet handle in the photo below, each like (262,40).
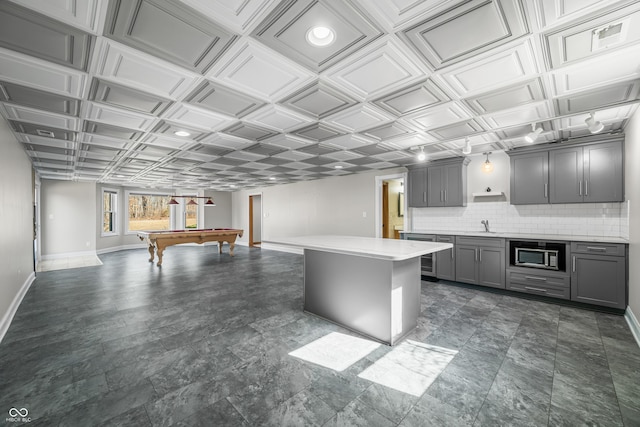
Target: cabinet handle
(596,249)
(573,268)
(480,258)
(445,195)
(540,279)
(545,190)
(535,289)
(586,187)
(580,189)
(475,254)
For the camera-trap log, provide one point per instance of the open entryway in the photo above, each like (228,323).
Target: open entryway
(255,220)
(390,202)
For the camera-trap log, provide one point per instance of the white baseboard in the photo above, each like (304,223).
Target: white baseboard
(13,308)
(282,248)
(121,248)
(67,255)
(632,320)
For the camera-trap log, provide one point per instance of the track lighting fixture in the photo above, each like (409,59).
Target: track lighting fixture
(467,146)
(533,135)
(593,125)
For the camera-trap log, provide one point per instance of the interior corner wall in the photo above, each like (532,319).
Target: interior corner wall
(218,216)
(67,218)
(336,205)
(632,195)
(16,224)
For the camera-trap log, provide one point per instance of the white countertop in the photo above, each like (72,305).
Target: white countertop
(371,247)
(524,236)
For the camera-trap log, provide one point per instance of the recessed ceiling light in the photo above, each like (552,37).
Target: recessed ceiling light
(272,178)
(120,176)
(320,36)
(182,133)
(338,166)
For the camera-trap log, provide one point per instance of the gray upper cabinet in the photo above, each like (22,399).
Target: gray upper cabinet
(417,188)
(440,183)
(591,173)
(530,178)
(587,171)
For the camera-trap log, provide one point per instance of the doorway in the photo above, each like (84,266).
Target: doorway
(255,220)
(390,218)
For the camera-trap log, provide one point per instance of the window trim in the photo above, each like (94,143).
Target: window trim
(114,212)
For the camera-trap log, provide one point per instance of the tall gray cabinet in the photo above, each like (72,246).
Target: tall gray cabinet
(589,170)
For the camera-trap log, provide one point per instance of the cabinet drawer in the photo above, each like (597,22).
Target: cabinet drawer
(541,289)
(615,249)
(490,242)
(537,279)
(446,239)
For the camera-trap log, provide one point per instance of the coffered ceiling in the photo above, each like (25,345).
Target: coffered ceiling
(100,90)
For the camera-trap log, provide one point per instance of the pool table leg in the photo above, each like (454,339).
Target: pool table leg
(231,245)
(160,252)
(151,252)
(220,247)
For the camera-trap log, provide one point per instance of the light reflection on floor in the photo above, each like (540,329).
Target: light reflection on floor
(410,367)
(335,351)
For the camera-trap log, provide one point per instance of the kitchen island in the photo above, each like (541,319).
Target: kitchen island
(369,285)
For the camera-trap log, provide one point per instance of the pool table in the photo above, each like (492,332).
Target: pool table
(159,240)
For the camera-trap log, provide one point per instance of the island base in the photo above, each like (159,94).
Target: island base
(376,298)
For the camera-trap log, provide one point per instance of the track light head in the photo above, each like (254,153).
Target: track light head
(422,156)
(533,135)
(467,146)
(593,125)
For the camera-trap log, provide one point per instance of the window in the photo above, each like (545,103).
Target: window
(148,212)
(190,215)
(109,212)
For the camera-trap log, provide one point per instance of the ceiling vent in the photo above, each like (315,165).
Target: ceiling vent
(45,133)
(610,35)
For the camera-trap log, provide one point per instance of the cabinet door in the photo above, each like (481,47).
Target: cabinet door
(603,173)
(455,180)
(565,175)
(466,260)
(597,279)
(435,186)
(530,179)
(491,267)
(417,188)
(445,260)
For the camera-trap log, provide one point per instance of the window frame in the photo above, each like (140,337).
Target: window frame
(115,194)
(128,193)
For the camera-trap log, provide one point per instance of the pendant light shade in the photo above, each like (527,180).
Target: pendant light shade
(173,201)
(192,202)
(487,166)
(209,202)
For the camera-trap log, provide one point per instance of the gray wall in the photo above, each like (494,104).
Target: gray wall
(328,206)
(68,217)
(16,224)
(218,216)
(632,189)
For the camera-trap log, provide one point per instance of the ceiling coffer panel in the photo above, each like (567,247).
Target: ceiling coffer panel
(168,30)
(318,100)
(124,97)
(43,131)
(468,29)
(412,99)
(23,95)
(112,131)
(285,30)
(249,131)
(510,97)
(223,100)
(36,35)
(317,132)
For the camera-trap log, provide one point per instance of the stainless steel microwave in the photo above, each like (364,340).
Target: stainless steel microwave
(537,258)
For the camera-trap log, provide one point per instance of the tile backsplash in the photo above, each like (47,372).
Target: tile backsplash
(581,219)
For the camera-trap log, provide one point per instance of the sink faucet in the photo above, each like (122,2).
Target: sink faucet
(485,222)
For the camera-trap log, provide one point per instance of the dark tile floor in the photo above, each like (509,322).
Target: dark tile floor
(205,340)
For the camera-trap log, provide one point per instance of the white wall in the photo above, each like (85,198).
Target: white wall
(218,216)
(498,180)
(68,218)
(632,190)
(16,225)
(328,206)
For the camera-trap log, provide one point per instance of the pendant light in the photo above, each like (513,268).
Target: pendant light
(209,202)
(173,201)
(487,166)
(192,202)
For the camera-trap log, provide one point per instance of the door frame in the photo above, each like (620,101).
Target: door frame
(378,202)
(252,243)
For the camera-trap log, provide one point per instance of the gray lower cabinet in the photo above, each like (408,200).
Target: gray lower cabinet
(446,260)
(598,274)
(539,282)
(480,261)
